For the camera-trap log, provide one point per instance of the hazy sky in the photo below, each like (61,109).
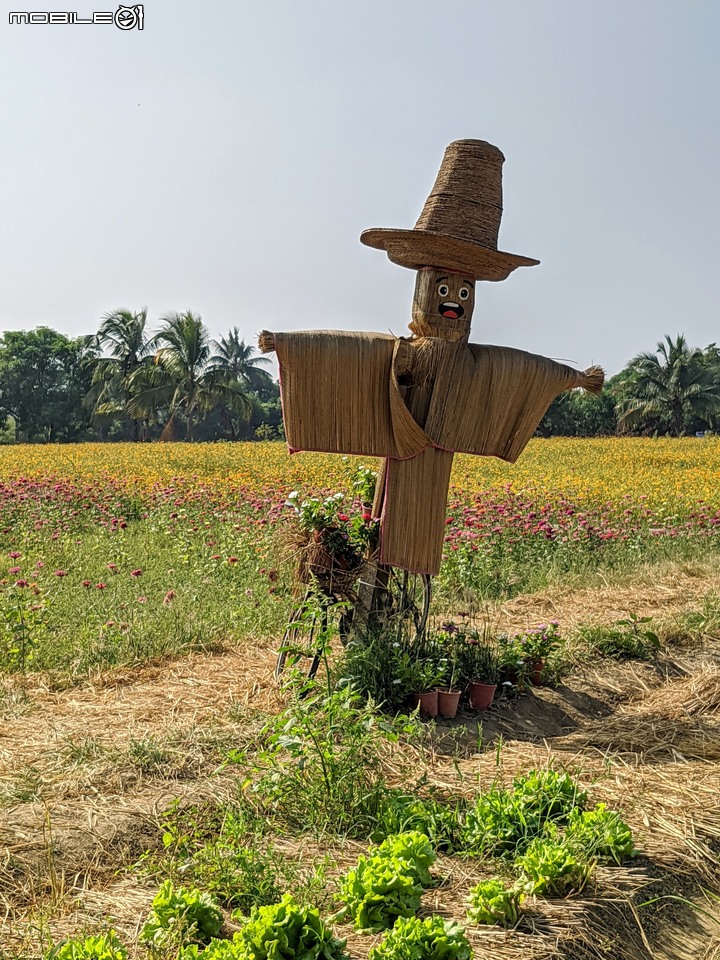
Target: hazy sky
(226,158)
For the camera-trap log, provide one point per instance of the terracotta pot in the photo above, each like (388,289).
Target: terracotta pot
(448,701)
(481,694)
(536,672)
(428,703)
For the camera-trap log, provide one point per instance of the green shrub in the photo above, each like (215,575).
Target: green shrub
(552,867)
(414,848)
(321,768)
(429,939)
(628,639)
(601,834)
(187,916)
(548,795)
(104,946)
(377,891)
(494,825)
(401,811)
(286,930)
(491,902)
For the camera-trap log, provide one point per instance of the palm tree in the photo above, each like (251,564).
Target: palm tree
(122,335)
(236,357)
(183,377)
(672,386)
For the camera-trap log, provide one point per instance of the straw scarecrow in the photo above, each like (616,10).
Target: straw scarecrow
(418,400)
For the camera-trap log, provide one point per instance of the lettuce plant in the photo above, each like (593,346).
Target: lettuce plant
(414,848)
(491,902)
(378,891)
(401,811)
(284,931)
(601,834)
(178,914)
(552,867)
(431,939)
(104,946)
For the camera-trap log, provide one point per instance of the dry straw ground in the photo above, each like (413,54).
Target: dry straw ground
(86,773)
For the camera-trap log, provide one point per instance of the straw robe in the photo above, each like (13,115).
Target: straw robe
(414,402)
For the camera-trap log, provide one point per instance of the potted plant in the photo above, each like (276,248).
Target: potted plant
(535,646)
(423,676)
(449,694)
(480,671)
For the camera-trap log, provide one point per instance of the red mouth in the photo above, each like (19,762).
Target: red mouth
(451,314)
(453,311)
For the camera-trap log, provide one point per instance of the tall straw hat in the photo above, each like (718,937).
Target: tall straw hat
(458,227)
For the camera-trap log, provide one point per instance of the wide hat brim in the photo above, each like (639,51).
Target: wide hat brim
(425,248)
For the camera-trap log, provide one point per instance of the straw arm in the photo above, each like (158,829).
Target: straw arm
(591,380)
(266,341)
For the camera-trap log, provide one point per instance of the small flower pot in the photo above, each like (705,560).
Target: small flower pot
(448,701)
(428,703)
(481,694)
(536,672)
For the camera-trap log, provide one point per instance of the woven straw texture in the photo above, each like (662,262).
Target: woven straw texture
(341,394)
(459,224)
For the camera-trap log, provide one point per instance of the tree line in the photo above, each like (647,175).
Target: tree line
(126,383)
(671,391)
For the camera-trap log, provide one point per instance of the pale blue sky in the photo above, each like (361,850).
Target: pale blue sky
(226,158)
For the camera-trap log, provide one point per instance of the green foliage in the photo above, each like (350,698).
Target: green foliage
(178,914)
(401,811)
(430,939)
(104,946)
(548,794)
(379,890)
(626,639)
(23,624)
(43,381)
(321,766)
(286,930)
(415,849)
(491,902)
(538,643)
(503,822)
(550,866)
(601,834)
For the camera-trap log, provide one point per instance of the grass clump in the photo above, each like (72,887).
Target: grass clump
(430,939)
(628,639)
(402,811)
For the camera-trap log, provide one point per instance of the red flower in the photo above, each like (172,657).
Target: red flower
(21,583)
(343,517)
(136,573)
(60,573)
(232,559)
(87,583)
(14,555)
(272,575)
(168,597)
(14,569)
(100,586)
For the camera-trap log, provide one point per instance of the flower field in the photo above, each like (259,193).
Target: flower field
(120,553)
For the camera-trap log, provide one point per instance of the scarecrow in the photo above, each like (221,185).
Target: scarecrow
(415,401)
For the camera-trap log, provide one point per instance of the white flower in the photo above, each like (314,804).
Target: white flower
(396,682)
(293,495)
(396,645)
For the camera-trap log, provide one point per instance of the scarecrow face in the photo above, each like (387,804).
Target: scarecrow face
(443,304)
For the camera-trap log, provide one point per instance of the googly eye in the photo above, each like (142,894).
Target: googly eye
(464,293)
(443,290)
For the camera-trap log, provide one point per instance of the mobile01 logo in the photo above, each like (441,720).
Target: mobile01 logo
(125,18)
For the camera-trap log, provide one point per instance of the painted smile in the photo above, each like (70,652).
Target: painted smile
(453,311)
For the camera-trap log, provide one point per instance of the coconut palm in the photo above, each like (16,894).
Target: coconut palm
(182,378)
(671,387)
(236,357)
(123,338)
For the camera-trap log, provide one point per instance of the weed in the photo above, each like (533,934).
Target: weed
(627,639)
